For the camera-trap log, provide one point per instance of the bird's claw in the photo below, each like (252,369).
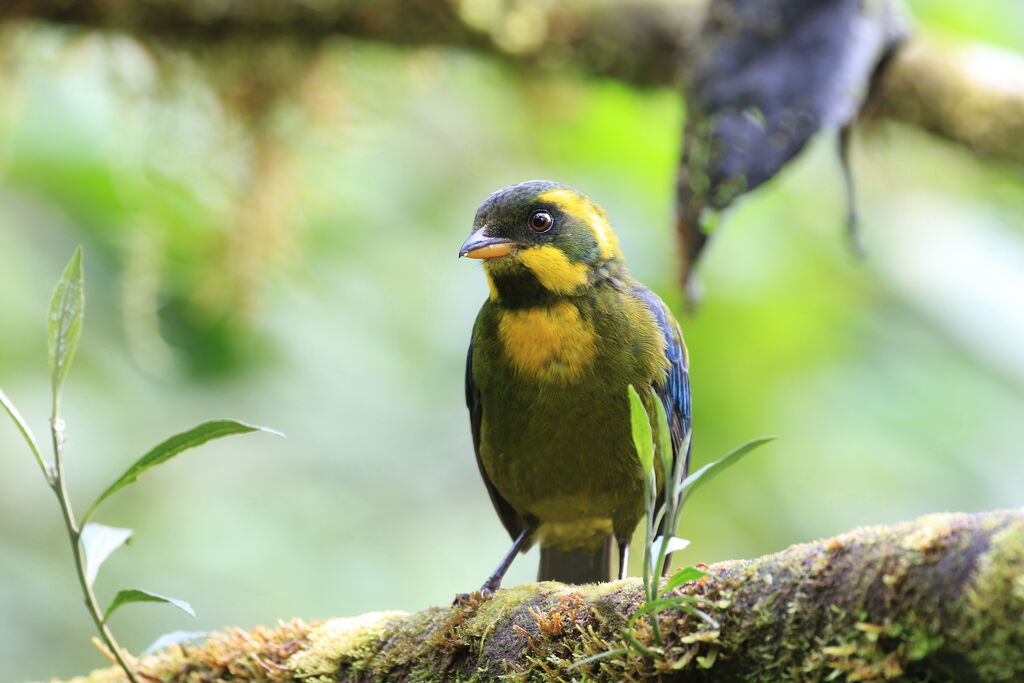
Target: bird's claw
(474,599)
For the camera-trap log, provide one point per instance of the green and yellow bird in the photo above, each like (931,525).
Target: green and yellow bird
(562,335)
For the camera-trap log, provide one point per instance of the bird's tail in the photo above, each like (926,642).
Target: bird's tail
(578,566)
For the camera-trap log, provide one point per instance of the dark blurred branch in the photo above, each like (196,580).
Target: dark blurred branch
(642,42)
(939,598)
(634,41)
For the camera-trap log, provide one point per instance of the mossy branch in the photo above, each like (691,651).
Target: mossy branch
(642,42)
(939,598)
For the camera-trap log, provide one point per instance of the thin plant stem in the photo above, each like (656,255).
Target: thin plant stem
(75,535)
(666,537)
(650,574)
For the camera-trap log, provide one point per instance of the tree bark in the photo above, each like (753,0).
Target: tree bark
(939,598)
(641,42)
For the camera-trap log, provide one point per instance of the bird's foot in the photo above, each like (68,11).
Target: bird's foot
(474,599)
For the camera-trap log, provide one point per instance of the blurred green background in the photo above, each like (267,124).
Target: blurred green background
(306,278)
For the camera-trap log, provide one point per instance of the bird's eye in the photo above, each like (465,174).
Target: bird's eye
(541,221)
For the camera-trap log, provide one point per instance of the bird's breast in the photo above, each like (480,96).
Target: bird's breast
(548,343)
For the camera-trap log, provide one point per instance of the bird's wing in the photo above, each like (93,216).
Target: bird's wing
(476,410)
(674,388)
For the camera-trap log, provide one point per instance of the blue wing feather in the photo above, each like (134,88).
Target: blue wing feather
(674,388)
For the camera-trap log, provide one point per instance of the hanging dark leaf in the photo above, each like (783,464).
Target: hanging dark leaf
(769,74)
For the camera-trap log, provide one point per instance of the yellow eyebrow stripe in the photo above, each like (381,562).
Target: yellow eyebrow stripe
(582,208)
(554,270)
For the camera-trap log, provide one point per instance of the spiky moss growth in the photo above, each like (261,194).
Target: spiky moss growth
(347,642)
(258,654)
(941,598)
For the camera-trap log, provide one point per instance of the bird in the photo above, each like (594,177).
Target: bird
(564,332)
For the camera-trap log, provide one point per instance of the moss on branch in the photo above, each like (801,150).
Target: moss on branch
(939,598)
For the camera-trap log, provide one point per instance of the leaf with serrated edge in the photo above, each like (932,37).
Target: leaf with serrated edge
(64,324)
(98,542)
(198,435)
(128,595)
(174,637)
(640,426)
(682,576)
(713,469)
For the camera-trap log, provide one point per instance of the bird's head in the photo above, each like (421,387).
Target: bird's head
(540,239)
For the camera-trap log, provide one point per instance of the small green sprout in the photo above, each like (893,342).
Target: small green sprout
(92,543)
(665,477)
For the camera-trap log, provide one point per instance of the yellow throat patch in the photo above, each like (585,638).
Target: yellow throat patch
(552,344)
(554,270)
(591,214)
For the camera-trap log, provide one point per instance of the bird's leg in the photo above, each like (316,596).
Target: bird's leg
(623,557)
(493,582)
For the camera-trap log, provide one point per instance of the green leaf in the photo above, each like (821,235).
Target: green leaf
(680,602)
(26,432)
(663,604)
(198,435)
(174,637)
(98,542)
(664,440)
(682,576)
(713,469)
(674,544)
(641,427)
(637,646)
(137,595)
(64,325)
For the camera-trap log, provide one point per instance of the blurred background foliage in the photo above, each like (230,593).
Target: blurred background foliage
(271,235)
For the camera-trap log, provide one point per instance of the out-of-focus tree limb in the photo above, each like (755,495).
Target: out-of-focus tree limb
(642,42)
(973,95)
(939,598)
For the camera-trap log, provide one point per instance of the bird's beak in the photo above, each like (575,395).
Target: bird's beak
(482,245)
